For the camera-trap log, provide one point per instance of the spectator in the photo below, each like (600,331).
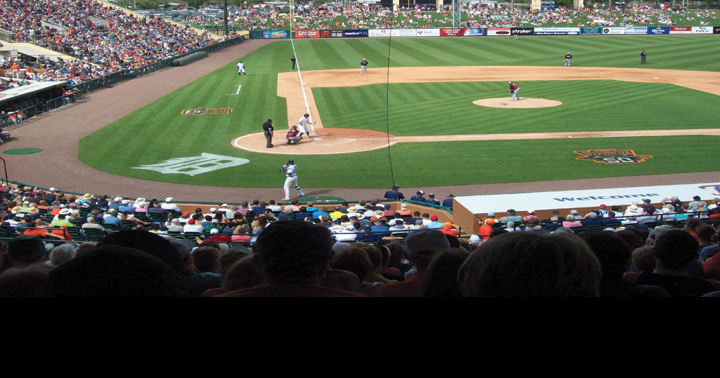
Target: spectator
(643,260)
(615,258)
(114,271)
(205,275)
(62,254)
(293,257)
(512,217)
(527,264)
(449,228)
(571,222)
(674,251)
(355,259)
(242,275)
(25,250)
(708,252)
(441,277)
(25,282)
(375,254)
(420,247)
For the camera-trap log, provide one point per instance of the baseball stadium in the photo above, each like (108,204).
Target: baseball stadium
(197,129)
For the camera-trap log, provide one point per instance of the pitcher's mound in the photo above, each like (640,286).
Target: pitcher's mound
(523,103)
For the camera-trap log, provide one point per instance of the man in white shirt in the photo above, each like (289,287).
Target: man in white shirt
(192,227)
(303,123)
(241,68)
(169,206)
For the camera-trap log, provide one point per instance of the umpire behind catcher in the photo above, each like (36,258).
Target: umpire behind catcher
(269,131)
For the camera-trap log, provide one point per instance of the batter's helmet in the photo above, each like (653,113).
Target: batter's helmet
(291,161)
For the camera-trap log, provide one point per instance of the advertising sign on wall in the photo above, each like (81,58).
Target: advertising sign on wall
(716,30)
(428,33)
(498,31)
(702,30)
(379,33)
(557,31)
(636,30)
(474,32)
(273,34)
(680,30)
(452,32)
(659,30)
(354,33)
(307,34)
(613,30)
(591,30)
(522,31)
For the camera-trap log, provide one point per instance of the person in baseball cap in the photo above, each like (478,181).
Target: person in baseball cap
(25,250)
(420,247)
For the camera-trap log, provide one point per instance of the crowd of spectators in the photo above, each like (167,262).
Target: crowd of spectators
(109,42)
(263,249)
(474,16)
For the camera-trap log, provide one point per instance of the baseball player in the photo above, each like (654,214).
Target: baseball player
(514,89)
(363,66)
(303,122)
(568,58)
(241,68)
(290,170)
(293,136)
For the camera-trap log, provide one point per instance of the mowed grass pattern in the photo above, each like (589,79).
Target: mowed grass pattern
(159,132)
(601,105)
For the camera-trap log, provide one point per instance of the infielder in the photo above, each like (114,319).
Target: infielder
(290,170)
(568,58)
(363,67)
(303,122)
(241,68)
(514,89)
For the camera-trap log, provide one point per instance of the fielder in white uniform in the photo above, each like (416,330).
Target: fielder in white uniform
(241,68)
(292,179)
(303,122)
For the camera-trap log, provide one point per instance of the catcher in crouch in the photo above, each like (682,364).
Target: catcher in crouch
(293,136)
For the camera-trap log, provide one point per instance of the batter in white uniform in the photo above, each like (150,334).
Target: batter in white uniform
(303,122)
(292,179)
(241,68)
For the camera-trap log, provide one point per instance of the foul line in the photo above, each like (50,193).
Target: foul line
(238,91)
(302,85)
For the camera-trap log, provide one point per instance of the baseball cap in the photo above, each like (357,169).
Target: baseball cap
(191,221)
(186,214)
(26,248)
(213,210)
(420,192)
(426,242)
(491,214)
(449,224)
(434,217)
(169,199)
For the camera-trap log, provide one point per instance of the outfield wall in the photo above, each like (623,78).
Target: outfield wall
(480,32)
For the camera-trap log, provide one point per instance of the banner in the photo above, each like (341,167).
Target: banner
(716,29)
(680,30)
(659,30)
(522,31)
(583,199)
(702,30)
(498,31)
(591,30)
(613,30)
(428,33)
(379,33)
(557,31)
(353,33)
(307,34)
(274,34)
(474,32)
(636,30)
(404,32)
(452,32)
(326,34)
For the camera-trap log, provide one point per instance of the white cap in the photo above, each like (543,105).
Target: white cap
(224,205)
(169,199)
(213,210)
(125,202)
(509,82)
(52,189)
(117,199)
(531,211)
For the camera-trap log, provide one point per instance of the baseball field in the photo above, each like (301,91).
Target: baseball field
(419,121)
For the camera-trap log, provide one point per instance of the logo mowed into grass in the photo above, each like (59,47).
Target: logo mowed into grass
(612,156)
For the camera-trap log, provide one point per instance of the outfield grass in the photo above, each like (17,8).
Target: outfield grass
(159,132)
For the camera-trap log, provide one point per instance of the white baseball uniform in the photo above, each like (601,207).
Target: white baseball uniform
(241,68)
(292,179)
(302,123)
